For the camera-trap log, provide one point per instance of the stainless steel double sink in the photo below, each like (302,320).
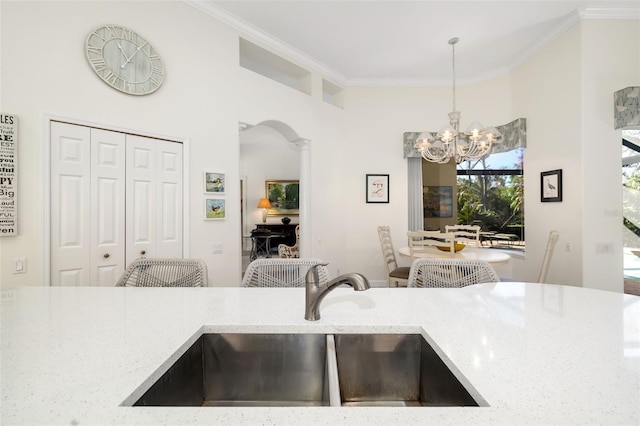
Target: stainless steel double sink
(236,369)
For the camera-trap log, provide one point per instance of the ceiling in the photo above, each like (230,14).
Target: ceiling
(406,42)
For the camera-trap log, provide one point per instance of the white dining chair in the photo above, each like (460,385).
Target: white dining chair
(395,273)
(425,241)
(466,234)
(551,243)
(450,273)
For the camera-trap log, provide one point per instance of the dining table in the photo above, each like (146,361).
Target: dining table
(476,253)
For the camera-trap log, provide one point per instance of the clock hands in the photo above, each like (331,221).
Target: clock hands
(132,55)
(121,50)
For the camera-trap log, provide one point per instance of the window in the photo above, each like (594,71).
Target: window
(491,194)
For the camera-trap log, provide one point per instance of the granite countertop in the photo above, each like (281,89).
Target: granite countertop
(538,354)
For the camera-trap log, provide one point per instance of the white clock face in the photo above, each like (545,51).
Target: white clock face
(124,60)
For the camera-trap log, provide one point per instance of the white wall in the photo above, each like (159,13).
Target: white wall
(206,94)
(546,90)
(604,44)
(44,70)
(566,93)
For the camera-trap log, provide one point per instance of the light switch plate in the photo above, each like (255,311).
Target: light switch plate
(19,265)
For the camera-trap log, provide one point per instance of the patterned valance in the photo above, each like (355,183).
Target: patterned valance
(514,135)
(626,107)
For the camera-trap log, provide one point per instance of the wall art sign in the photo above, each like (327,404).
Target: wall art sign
(551,186)
(8,175)
(377,188)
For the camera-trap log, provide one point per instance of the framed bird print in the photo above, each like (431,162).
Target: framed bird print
(551,186)
(214,183)
(214,209)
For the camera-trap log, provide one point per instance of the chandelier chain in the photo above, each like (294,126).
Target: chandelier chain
(453,72)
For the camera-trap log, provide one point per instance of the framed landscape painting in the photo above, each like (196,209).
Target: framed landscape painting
(437,201)
(284,196)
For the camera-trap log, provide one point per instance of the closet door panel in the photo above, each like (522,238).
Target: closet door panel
(70,190)
(108,203)
(141,198)
(170,204)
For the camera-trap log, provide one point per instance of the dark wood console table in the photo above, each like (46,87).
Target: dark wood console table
(288,233)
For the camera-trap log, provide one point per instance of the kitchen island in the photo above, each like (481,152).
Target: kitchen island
(536,353)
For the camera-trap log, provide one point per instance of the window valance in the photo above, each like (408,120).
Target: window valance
(514,135)
(626,106)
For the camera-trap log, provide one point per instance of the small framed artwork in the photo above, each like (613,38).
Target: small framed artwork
(437,201)
(214,183)
(377,188)
(214,208)
(551,186)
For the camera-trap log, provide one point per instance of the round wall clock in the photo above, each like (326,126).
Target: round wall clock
(124,60)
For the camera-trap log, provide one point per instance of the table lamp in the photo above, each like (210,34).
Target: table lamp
(264,204)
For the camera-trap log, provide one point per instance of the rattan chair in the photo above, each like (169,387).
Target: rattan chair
(450,273)
(277,272)
(394,272)
(466,234)
(162,272)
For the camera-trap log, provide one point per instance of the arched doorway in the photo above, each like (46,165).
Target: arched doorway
(269,148)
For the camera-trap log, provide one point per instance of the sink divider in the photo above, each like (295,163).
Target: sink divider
(332,373)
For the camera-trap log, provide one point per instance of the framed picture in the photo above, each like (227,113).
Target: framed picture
(437,201)
(284,196)
(551,186)
(214,183)
(377,188)
(214,208)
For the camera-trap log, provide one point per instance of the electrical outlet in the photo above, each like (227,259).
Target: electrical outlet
(217,248)
(567,246)
(604,248)
(19,265)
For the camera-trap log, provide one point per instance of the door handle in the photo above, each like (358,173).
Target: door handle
(143,252)
(106,255)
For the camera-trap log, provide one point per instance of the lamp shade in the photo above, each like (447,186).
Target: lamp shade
(264,203)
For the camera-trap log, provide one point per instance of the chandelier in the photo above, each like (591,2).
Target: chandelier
(474,144)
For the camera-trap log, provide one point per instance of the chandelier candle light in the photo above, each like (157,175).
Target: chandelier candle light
(474,144)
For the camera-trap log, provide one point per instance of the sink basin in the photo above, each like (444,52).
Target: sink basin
(246,370)
(395,370)
(258,370)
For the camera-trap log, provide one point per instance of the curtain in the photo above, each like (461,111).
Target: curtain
(414,179)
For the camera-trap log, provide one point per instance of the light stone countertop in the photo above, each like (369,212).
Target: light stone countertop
(538,354)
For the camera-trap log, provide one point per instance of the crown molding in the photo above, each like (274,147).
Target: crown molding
(428,82)
(609,13)
(277,46)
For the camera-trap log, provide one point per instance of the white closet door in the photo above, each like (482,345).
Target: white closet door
(169,202)
(70,200)
(108,205)
(154,198)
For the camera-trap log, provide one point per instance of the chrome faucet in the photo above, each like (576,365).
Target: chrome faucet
(316,292)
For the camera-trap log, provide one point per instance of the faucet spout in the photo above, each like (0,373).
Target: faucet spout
(315,292)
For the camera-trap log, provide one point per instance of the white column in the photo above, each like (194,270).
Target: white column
(305,200)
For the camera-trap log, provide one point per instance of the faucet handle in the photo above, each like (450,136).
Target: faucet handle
(312,276)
